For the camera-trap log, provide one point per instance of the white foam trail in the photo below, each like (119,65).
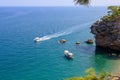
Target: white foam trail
(66,32)
(54,35)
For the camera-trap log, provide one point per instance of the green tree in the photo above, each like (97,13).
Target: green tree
(82,2)
(91,75)
(113,13)
(114,10)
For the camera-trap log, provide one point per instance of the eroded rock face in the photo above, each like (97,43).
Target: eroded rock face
(107,34)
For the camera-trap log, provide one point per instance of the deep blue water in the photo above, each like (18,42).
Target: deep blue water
(22,59)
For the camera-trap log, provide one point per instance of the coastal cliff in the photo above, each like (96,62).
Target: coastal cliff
(107,30)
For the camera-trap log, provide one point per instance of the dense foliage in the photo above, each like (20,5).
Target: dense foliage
(91,75)
(82,2)
(113,13)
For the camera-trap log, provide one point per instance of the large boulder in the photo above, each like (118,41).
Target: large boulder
(90,41)
(77,42)
(62,41)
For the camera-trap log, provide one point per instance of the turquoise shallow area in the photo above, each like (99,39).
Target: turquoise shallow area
(22,59)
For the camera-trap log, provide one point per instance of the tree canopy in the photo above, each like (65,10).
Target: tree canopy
(113,13)
(91,75)
(82,2)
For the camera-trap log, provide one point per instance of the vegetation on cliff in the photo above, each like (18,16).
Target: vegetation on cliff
(113,13)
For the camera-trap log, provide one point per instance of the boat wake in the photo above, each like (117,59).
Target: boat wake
(47,37)
(65,32)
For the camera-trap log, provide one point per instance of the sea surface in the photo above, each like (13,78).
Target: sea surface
(22,59)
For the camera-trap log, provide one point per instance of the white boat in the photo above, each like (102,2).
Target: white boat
(37,39)
(68,54)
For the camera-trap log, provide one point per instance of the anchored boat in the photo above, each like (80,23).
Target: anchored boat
(68,54)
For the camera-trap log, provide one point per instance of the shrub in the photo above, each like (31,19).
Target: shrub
(91,75)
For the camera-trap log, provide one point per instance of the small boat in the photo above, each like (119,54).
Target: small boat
(68,54)
(37,39)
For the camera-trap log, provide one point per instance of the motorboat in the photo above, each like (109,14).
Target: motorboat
(68,54)
(37,39)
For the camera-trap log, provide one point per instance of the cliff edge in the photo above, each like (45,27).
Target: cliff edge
(107,30)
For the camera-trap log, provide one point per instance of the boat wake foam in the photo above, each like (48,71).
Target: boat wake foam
(54,35)
(65,32)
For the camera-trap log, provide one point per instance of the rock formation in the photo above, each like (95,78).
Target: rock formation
(107,34)
(77,42)
(62,41)
(89,41)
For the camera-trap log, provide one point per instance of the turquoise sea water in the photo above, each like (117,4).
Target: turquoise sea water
(22,59)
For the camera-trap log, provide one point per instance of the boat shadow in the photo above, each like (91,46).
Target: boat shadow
(66,58)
